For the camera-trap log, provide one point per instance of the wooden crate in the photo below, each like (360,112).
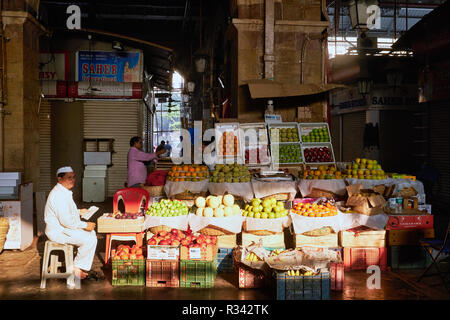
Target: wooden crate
(271,241)
(163,273)
(408,237)
(329,240)
(361,258)
(227,241)
(112,225)
(350,239)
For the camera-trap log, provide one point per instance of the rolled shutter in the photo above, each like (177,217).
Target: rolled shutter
(118,120)
(45,150)
(353,135)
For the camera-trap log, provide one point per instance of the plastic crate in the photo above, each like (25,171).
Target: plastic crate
(225,260)
(408,257)
(201,254)
(128,272)
(163,273)
(250,278)
(303,287)
(361,258)
(197,274)
(337,276)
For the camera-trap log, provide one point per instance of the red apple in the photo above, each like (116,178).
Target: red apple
(124,257)
(164,242)
(174,231)
(139,251)
(152,242)
(132,256)
(181,235)
(185,242)
(175,243)
(140,257)
(162,233)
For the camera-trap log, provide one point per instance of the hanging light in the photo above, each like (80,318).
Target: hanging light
(364,86)
(200,64)
(190,86)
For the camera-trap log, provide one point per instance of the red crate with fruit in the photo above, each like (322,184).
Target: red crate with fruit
(165,245)
(163,273)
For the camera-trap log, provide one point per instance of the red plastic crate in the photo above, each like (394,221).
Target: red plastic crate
(361,258)
(398,222)
(163,273)
(250,278)
(337,276)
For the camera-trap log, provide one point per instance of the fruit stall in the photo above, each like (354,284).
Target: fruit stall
(283,216)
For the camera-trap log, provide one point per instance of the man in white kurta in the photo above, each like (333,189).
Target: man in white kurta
(63,223)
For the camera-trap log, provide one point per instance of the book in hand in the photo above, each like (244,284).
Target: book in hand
(91,211)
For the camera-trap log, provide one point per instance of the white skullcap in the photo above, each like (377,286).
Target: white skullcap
(64,170)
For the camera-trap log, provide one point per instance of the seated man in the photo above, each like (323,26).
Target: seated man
(63,224)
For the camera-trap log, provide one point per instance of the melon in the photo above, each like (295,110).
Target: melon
(208,212)
(199,212)
(213,202)
(219,212)
(228,211)
(236,209)
(200,202)
(228,200)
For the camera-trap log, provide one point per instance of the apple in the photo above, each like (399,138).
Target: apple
(162,233)
(140,257)
(124,257)
(164,242)
(175,243)
(185,242)
(174,231)
(139,251)
(132,256)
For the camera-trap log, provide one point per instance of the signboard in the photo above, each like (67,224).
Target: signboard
(54,66)
(54,89)
(109,66)
(347,98)
(101,90)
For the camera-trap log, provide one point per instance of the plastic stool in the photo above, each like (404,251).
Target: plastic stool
(51,272)
(138,237)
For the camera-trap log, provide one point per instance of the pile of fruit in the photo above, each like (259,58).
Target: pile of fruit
(322,172)
(124,252)
(198,241)
(228,144)
(251,257)
(168,208)
(284,135)
(290,154)
(265,209)
(324,209)
(193,172)
(364,169)
(317,135)
(256,155)
(217,206)
(165,238)
(318,154)
(230,173)
(300,273)
(126,215)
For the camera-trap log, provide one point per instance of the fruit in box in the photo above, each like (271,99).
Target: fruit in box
(126,215)
(218,206)
(289,154)
(256,155)
(323,208)
(322,172)
(230,173)
(168,208)
(317,135)
(265,209)
(364,169)
(284,135)
(228,144)
(193,172)
(318,154)
(124,252)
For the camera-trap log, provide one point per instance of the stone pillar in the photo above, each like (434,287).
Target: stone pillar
(21,125)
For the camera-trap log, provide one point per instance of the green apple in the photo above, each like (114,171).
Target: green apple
(257,215)
(251,214)
(264,215)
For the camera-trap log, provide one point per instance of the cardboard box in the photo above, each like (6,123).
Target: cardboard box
(163,252)
(410,203)
(399,222)
(366,201)
(205,254)
(424,207)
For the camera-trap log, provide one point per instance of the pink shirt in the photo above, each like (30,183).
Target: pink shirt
(137,171)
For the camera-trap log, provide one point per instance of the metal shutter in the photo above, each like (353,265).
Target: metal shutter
(45,154)
(353,135)
(335,131)
(118,120)
(440,149)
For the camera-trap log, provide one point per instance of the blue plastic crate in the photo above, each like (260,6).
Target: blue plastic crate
(303,287)
(225,260)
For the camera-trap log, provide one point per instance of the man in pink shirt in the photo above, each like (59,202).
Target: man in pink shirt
(137,171)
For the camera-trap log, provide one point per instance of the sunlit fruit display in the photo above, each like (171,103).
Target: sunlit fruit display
(168,208)
(216,206)
(284,135)
(193,172)
(268,208)
(228,144)
(322,209)
(125,252)
(230,173)
(322,172)
(363,168)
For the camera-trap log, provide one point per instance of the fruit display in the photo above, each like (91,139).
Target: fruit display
(217,206)
(126,215)
(322,209)
(276,252)
(251,257)
(290,153)
(316,135)
(167,238)
(284,134)
(193,172)
(198,240)
(230,173)
(365,169)
(228,144)
(256,155)
(268,208)
(124,252)
(168,208)
(318,154)
(322,172)
(293,273)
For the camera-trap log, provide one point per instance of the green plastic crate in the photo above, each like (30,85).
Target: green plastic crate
(303,287)
(197,274)
(409,257)
(128,272)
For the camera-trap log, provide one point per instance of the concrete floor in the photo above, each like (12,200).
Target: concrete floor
(20,279)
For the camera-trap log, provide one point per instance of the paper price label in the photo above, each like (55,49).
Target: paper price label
(195,253)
